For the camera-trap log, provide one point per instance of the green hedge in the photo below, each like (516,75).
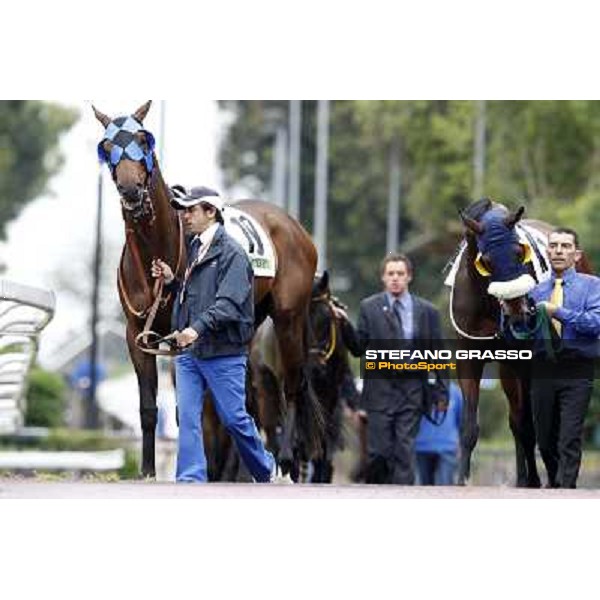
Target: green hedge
(46,399)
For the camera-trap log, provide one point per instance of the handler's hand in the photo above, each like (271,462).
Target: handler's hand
(359,418)
(340,313)
(186,337)
(161,268)
(550,308)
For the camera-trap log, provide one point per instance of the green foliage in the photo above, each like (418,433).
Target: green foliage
(29,154)
(77,440)
(591,426)
(46,399)
(544,154)
(493,414)
(131,466)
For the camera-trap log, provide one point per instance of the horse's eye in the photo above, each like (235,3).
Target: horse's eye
(520,251)
(140,138)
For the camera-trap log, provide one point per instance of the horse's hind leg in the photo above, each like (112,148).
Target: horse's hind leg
(291,358)
(302,428)
(469,377)
(521,425)
(145,369)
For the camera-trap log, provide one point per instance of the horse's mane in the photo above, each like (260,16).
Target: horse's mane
(477,209)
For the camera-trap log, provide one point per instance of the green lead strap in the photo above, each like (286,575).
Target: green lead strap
(543,323)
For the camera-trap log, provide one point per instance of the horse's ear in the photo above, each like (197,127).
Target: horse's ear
(511,219)
(323,284)
(475,226)
(101,116)
(140,114)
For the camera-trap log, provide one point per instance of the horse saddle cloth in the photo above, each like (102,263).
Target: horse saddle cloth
(536,239)
(253,238)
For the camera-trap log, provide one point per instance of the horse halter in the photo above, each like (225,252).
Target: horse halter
(121,133)
(324,351)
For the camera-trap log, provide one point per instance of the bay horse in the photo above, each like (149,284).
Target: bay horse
(493,276)
(153,230)
(329,373)
(328,370)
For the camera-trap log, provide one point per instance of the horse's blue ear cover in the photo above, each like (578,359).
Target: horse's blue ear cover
(121,132)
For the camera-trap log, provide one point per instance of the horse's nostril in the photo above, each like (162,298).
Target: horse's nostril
(130,193)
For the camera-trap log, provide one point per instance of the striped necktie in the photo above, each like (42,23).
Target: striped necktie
(192,259)
(557,298)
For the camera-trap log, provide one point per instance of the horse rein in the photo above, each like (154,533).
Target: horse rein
(462,332)
(154,298)
(324,354)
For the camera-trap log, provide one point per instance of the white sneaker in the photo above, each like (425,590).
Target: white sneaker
(278,477)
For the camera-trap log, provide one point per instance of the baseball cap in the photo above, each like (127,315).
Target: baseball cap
(182,198)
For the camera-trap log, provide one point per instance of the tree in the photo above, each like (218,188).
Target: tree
(543,154)
(29,152)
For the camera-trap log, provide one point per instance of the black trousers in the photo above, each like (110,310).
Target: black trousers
(391,435)
(560,395)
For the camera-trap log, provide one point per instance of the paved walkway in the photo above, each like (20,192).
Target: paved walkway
(18,488)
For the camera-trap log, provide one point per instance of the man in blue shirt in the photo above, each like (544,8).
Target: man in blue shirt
(437,446)
(561,388)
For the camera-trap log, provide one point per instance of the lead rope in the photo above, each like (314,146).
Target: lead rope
(147,336)
(543,322)
(141,340)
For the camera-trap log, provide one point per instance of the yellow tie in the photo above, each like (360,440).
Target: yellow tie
(557,298)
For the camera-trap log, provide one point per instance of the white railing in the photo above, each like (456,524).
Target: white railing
(24,312)
(109,460)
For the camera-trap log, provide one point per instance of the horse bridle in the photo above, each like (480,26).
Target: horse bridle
(154,299)
(325,351)
(121,134)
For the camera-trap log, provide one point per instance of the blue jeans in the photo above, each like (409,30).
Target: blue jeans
(436,468)
(226,377)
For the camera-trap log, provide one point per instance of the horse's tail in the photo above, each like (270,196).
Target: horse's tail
(311,418)
(310,414)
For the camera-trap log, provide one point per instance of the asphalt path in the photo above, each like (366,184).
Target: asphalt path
(142,490)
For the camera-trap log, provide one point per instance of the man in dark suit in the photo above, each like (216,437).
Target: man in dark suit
(393,406)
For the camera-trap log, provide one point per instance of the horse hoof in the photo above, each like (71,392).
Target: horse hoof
(286,466)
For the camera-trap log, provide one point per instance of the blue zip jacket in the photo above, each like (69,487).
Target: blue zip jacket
(218,301)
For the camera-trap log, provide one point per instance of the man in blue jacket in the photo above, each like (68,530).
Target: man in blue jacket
(213,318)
(561,388)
